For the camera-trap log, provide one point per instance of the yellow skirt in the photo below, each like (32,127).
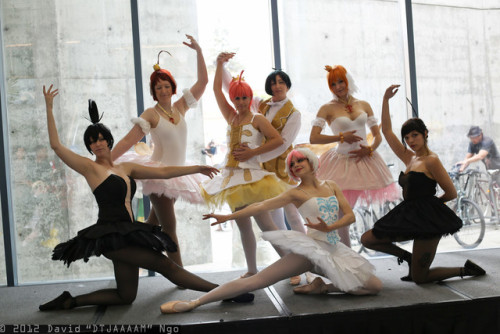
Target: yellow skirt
(241,195)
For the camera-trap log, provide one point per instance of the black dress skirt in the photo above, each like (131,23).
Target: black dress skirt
(421,215)
(114,228)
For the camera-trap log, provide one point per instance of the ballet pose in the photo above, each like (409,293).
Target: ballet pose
(421,217)
(353,164)
(116,236)
(320,203)
(165,121)
(244,182)
(286,119)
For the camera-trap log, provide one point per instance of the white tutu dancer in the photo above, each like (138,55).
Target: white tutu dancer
(318,251)
(165,121)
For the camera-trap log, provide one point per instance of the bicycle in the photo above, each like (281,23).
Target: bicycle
(472,232)
(486,193)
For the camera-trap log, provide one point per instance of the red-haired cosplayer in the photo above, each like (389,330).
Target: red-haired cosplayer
(321,204)
(244,182)
(165,121)
(353,164)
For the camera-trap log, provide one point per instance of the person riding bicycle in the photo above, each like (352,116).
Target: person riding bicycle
(481,148)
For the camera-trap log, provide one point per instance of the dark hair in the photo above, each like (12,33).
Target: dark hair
(271,78)
(413,124)
(96,128)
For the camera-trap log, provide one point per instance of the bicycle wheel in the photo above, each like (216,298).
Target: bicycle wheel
(472,232)
(480,196)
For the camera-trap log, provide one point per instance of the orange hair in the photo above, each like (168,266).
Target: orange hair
(238,87)
(336,73)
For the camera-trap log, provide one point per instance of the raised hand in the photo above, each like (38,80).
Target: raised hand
(219,218)
(49,96)
(321,226)
(194,44)
(209,171)
(224,57)
(391,91)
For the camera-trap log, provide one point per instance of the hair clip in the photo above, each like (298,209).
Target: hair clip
(156,66)
(239,77)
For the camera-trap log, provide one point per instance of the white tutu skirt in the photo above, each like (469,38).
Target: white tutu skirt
(347,270)
(369,179)
(183,187)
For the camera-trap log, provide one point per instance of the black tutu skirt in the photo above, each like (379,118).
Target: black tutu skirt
(421,218)
(108,236)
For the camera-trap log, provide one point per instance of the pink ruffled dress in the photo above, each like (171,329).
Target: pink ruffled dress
(170,143)
(370,178)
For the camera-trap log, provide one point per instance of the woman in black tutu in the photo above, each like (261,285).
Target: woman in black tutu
(129,244)
(422,216)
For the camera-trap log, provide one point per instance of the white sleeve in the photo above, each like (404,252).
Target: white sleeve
(289,133)
(189,98)
(145,125)
(372,121)
(319,122)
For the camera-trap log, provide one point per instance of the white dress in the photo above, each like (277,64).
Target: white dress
(347,270)
(170,143)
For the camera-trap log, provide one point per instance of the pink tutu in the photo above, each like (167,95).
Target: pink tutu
(183,187)
(369,179)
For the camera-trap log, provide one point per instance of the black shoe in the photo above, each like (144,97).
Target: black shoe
(60,303)
(471,269)
(243,298)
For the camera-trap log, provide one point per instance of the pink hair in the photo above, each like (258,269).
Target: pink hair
(300,153)
(238,87)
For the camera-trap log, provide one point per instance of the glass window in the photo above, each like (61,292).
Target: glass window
(457,78)
(85,50)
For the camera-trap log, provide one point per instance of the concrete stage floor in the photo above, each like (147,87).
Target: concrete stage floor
(470,303)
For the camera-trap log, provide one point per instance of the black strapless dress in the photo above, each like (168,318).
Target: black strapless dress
(114,228)
(421,215)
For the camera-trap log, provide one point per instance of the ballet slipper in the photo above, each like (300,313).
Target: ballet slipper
(182,306)
(310,277)
(64,302)
(316,287)
(295,280)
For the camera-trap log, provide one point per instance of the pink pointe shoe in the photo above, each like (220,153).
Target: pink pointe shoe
(179,306)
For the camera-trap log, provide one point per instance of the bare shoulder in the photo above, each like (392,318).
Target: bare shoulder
(432,161)
(326,110)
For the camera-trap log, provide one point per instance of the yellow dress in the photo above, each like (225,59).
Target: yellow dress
(241,183)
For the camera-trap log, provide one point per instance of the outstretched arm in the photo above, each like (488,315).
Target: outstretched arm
(255,208)
(199,86)
(144,172)
(74,161)
(130,139)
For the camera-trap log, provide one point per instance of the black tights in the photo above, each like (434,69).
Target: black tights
(126,264)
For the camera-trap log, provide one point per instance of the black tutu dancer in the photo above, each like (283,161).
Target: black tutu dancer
(421,215)
(115,229)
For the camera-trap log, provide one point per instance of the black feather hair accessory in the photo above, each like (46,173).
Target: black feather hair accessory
(93,112)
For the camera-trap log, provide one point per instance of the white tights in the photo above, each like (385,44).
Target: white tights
(248,241)
(292,216)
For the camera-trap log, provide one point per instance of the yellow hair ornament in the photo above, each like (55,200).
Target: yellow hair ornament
(156,66)
(239,77)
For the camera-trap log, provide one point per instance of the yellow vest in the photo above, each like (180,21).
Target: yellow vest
(277,165)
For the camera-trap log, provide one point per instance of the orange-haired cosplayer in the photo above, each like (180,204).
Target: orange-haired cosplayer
(167,126)
(243,182)
(353,164)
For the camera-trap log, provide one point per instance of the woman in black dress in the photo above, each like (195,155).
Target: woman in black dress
(422,216)
(129,244)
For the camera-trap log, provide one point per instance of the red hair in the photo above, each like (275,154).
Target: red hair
(238,87)
(336,73)
(158,75)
